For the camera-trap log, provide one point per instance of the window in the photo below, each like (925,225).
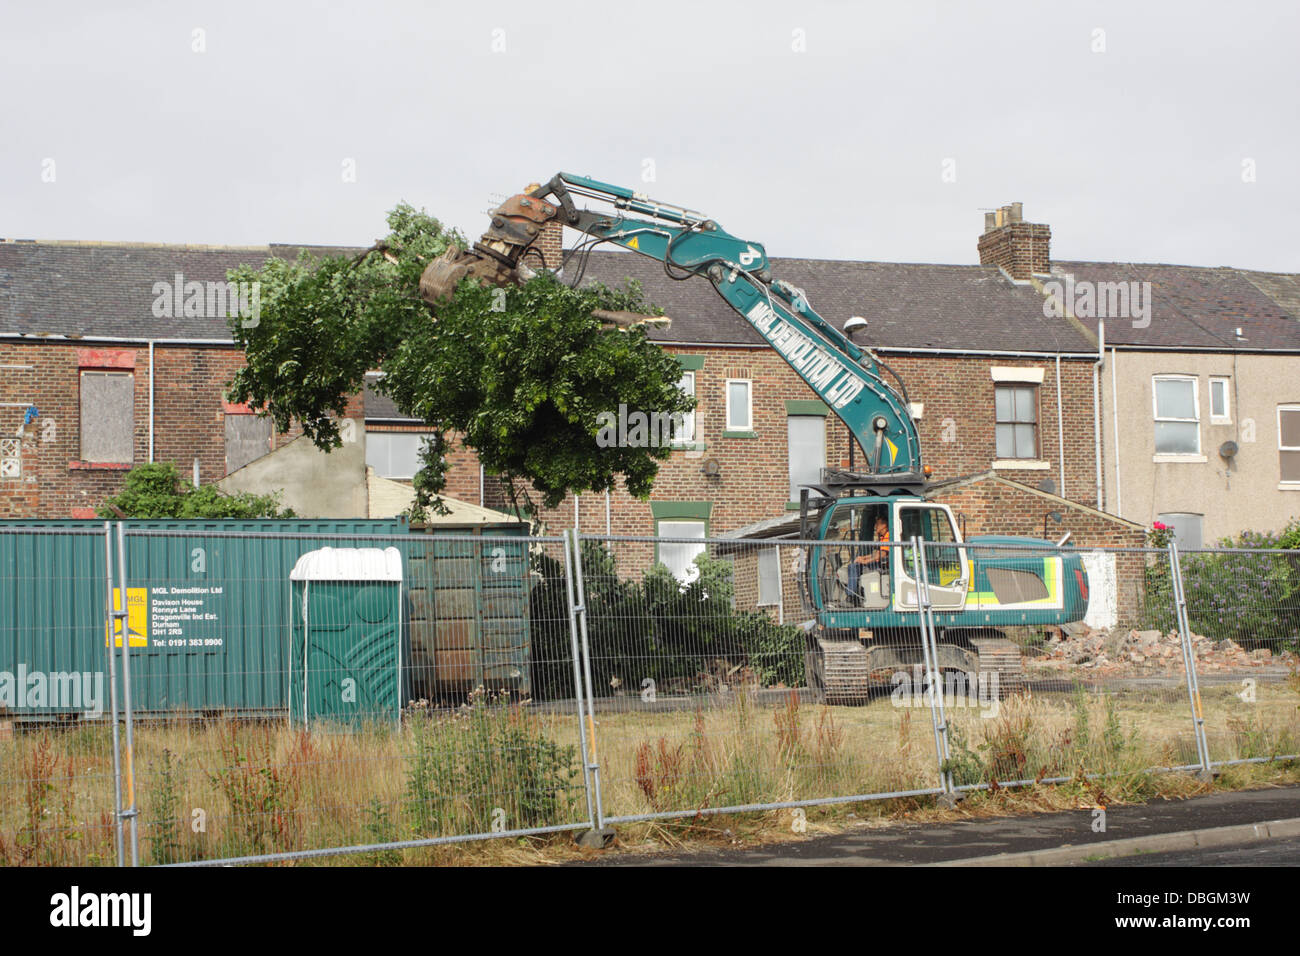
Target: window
(1186,528)
(769,576)
(1177,415)
(107,416)
(686,432)
(679,556)
(807,451)
(248,438)
(1220,407)
(1288,443)
(739,407)
(395,454)
(1016,408)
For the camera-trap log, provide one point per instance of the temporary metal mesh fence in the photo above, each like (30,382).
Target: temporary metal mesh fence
(700,676)
(1083,684)
(58,792)
(1242,611)
(286,695)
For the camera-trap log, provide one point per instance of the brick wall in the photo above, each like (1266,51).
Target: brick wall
(189,422)
(957,431)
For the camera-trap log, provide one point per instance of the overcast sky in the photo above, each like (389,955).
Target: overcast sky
(1152,132)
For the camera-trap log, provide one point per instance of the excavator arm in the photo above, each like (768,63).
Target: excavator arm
(845,376)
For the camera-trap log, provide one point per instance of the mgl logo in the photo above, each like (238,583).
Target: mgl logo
(102,909)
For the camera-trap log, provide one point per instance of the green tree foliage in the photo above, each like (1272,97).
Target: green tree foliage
(158,491)
(519,374)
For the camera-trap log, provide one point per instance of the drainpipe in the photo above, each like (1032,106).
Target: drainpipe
(1114,398)
(577,523)
(151,401)
(482,498)
(1096,409)
(1060,423)
(608,532)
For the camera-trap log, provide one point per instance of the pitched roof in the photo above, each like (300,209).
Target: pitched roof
(381,408)
(969,308)
(107,289)
(1195,307)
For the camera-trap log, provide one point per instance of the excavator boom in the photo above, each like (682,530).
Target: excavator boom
(845,376)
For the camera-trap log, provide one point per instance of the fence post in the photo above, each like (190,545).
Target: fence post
(925,624)
(110,638)
(1189,660)
(599,836)
(131,813)
(577,679)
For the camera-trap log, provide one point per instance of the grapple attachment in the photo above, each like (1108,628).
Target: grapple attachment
(497,257)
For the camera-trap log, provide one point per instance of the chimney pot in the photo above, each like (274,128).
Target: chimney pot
(1017,211)
(990,221)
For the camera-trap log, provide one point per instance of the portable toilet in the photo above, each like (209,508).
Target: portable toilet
(345,636)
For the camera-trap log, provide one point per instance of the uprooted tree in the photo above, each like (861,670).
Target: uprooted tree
(519,375)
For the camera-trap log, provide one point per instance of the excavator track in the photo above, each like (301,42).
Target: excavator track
(997,655)
(840,671)
(847,671)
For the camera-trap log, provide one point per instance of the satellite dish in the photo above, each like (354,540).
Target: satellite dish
(1228,449)
(853,324)
(712,468)
(1047,485)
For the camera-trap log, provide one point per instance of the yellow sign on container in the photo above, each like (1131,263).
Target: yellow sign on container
(137,617)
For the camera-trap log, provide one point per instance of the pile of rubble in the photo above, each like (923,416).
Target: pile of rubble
(1133,653)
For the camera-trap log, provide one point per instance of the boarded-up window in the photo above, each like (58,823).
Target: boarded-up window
(248,438)
(1186,528)
(769,576)
(107,416)
(1288,441)
(807,446)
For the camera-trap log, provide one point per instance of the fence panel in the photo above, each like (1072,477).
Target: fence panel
(301,695)
(58,781)
(1072,697)
(1243,611)
(710,692)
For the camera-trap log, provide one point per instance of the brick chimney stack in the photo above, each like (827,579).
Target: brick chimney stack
(1019,247)
(551,242)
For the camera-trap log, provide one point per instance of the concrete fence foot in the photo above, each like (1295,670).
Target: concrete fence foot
(596,839)
(949,801)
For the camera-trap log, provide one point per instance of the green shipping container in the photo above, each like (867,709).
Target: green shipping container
(468,611)
(208,612)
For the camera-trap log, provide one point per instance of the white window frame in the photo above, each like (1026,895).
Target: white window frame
(687,435)
(1285,485)
(749,402)
(1226,417)
(420,437)
(1196,456)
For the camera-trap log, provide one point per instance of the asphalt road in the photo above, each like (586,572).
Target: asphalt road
(938,843)
(1283,852)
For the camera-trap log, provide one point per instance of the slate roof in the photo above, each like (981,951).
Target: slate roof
(380,407)
(1195,307)
(906,305)
(106,289)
